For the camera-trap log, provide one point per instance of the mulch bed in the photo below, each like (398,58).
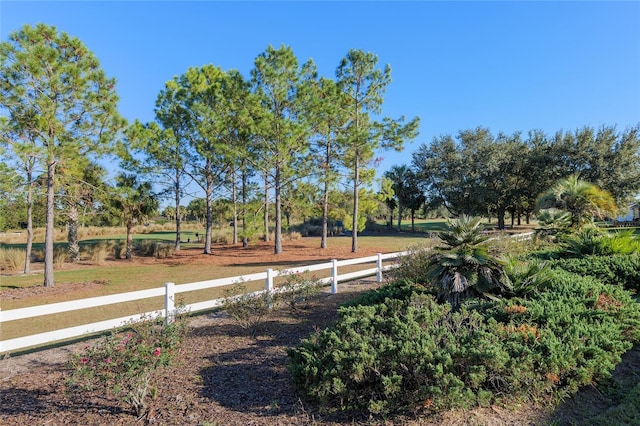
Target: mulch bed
(224,375)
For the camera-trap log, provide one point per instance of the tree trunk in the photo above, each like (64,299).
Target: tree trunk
(128,253)
(354,231)
(209,225)
(245,240)
(500,214)
(277,249)
(48,235)
(178,219)
(72,232)
(266,207)
(234,196)
(399,217)
(413,221)
(325,199)
(27,256)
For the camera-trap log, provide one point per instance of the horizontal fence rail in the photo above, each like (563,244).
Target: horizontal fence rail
(169,291)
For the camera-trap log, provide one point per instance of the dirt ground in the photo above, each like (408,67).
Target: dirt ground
(224,375)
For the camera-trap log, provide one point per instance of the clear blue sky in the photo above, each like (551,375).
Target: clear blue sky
(507,66)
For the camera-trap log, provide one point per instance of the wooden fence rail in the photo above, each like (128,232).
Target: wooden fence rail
(169,291)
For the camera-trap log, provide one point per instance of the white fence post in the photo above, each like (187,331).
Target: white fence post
(169,303)
(269,282)
(269,286)
(379,267)
(334,276)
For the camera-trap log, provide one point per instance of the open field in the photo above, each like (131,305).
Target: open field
(77,281)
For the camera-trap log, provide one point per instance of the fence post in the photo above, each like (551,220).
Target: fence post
(269,282)
(334,276)
(269,286)
(169,303)
(379,268)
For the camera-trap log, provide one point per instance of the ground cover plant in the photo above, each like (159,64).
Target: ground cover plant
(621,270)
(414,353)
(400,351)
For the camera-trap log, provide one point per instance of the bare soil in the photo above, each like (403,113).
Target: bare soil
(226,375)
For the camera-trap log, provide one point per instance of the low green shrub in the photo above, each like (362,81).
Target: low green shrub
(398,289)
(410,352)
(618,270)
(592,240)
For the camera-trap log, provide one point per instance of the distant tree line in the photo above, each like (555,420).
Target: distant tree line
(478,173)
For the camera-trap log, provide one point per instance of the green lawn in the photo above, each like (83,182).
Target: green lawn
(125,277)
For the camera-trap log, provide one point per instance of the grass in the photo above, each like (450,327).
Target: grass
(434,225)
(126,277)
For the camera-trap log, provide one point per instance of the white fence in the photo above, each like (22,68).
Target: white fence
(169,291)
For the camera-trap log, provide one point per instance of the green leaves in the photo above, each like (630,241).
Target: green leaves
(396,350)
(60,105)
(582,199)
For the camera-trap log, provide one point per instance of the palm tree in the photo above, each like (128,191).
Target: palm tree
(463,266)
(134,202)
(582,199)
(552,223)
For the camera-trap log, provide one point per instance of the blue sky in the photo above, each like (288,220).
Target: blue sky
(507,66)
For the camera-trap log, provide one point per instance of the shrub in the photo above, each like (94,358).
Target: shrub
(584,325)
(463,267)
(410,352)
(297,290)
(592,240)
(125,364)
(395,290)
(552,224)
(98,251)
(524,277)
(618,270)
(11,259)
(60,255)
(292,235)
(247,309)
(154,248)
(414,266)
